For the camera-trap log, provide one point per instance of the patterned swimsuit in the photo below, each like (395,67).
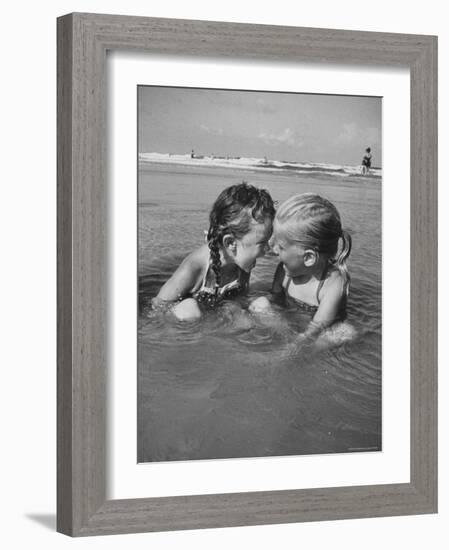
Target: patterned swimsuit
(209,295)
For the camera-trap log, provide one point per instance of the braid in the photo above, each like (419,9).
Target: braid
(233,213)
(340,261)
(213,242)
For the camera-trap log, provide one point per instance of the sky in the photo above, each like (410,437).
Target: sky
(280,126)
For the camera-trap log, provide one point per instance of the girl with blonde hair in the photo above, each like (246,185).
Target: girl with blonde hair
(313,249)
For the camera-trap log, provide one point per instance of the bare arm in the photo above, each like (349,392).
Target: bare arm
(329,306)
(327,313)
(182,282)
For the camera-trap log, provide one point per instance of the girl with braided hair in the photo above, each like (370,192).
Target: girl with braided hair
(312,274)
(239,230)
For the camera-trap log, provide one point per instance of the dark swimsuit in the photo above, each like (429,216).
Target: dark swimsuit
(309,308)
(366,161)
(299,304)
(209,296)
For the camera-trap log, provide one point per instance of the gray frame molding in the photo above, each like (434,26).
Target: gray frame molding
(83,40)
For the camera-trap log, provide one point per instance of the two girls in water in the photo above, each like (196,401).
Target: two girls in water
(305,233)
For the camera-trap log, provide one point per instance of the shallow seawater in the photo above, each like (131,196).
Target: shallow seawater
(228,385)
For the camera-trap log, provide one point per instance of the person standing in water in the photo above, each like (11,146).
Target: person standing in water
(366,161)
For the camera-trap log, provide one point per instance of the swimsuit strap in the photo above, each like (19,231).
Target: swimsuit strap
(228,286)
(203,284)
(289,280)
(221,290)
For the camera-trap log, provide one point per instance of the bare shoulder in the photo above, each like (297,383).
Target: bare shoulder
(197,259)
(194,265)
(186,278)
(334,283)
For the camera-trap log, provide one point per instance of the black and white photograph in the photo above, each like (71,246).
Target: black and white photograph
(259,274)
(220,284)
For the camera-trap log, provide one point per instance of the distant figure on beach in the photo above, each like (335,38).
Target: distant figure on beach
(192,154)
(312,275)
(366,161)
(240,228)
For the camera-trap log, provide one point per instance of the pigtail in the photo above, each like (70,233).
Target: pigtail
(214,247)
(232,214)
(340,262)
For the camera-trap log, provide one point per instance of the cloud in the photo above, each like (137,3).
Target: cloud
(348,134)
(213,131)
(263,106)
(372,135)
(287,136)
(352,133)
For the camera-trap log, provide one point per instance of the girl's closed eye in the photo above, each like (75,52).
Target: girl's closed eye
(277,247)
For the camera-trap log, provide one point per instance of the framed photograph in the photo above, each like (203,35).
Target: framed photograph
(251,393)
(246,229)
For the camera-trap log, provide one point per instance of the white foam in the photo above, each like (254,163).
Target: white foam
(251,163)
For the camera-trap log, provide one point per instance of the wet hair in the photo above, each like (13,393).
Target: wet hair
(368,149)
(313,222)
(235,210)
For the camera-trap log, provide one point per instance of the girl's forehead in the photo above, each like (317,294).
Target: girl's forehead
(262,230)
(279,231)
(276,225)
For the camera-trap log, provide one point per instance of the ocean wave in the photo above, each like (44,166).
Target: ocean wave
(259,164)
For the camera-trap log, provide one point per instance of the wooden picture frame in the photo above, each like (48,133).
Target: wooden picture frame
(83,40)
